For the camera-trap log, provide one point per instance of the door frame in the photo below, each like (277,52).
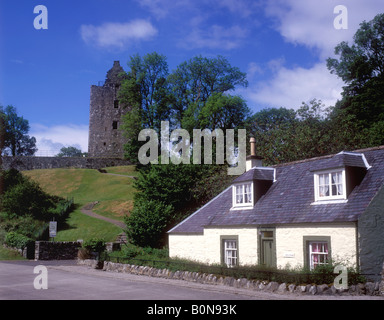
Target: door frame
(266,234)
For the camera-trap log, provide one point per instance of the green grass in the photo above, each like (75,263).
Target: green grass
(114,195)
(8,254)
(80,226)
(124,170)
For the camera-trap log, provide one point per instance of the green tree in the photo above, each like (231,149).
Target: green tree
(146,93)
(194,81)
(70,152)
(17,142)
(147,222)
(361,67)
(132,122)
(167,194)
(167,183)
(220,111)
(271,128)
(24,197)
(150,73)
(364,60)
(284,135)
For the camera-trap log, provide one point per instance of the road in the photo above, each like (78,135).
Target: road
(68,281)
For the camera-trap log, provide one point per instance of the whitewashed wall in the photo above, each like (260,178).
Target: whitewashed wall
(289,243)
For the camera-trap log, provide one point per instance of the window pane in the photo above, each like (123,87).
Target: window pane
(318,254)
(337,184)
(331,184)
(230,252)
(248,193)
(243,193)
(239,194)
(324,185)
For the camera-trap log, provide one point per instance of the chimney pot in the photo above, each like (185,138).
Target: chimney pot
(253,146)
(253,160)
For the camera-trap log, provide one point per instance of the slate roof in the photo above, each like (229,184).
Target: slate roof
(256,174)
(290,198)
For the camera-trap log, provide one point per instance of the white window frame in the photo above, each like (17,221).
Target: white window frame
(230,252)
(317,253)
(243,205)
(318,197)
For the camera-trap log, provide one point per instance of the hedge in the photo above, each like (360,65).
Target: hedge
(16,240)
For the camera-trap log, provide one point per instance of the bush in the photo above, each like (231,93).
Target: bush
(23,197)
(16,240)
(24,225)
(131,252)
(94,245)
(147,222)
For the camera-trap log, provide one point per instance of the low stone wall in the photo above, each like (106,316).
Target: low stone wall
(51,250)
(32,163)
(369,288)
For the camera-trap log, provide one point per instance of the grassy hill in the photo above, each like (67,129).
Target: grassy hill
(114,194)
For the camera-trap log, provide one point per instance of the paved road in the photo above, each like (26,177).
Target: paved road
(68,281)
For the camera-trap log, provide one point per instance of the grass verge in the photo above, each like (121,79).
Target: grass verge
(113,194)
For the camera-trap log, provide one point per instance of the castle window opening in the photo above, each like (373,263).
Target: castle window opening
(114,125)
(116,104)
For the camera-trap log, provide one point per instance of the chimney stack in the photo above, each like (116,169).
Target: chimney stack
(253,160)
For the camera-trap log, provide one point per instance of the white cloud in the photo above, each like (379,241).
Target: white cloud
(50,140)
(119,35)
(310,23)
(290,87)
(215,37)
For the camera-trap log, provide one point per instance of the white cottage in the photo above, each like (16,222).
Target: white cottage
(300,213)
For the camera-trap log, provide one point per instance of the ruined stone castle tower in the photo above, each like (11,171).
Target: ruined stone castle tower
(105,138)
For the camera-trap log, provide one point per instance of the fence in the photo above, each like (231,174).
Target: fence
(318,276)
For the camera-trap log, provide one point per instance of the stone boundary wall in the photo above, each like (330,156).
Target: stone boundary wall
(51,250)
(369,288)
(31,163)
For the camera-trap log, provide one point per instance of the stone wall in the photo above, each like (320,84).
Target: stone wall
(371,237)
(50,250)
(31,163)
(369,288)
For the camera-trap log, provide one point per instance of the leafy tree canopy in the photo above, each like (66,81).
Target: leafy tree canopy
(17,142)
(361,66)
(70,152)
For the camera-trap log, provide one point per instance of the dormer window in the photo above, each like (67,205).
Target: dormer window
(330,185)
(243,194)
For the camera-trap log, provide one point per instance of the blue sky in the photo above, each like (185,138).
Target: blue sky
(281,44)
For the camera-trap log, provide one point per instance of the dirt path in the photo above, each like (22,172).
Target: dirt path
(87,209)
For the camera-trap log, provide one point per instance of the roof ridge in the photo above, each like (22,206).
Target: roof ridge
(326,156)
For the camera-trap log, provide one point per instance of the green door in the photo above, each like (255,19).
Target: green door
(267,252)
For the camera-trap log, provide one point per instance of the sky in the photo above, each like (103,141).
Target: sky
(282,45)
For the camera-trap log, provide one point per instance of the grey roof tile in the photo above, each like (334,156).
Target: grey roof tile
(256,174)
